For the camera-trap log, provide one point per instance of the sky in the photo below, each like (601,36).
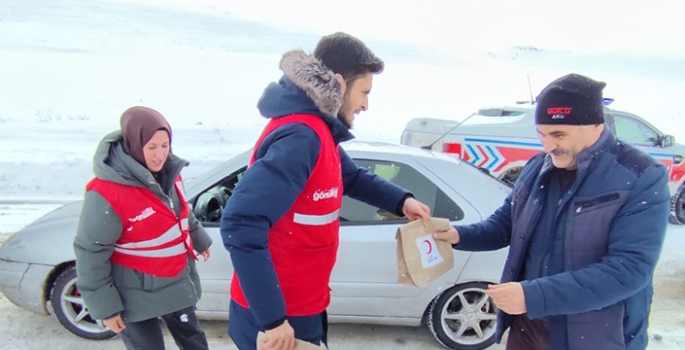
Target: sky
(483,25)
(75,65)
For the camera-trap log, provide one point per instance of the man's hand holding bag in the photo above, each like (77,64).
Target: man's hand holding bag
(421,258)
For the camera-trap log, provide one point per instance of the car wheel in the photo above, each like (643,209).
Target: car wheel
(71,311)
(678,207)
(463,317)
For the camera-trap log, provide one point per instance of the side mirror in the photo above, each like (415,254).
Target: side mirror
(667,141)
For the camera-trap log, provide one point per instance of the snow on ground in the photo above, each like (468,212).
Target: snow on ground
(668,308)
(667,322)
(71,67)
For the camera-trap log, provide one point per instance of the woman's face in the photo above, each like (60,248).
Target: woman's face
(156,151)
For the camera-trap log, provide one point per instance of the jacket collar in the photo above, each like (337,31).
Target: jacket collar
(307,87)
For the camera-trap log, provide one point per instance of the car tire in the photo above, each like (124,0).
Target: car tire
(71,311)
(677,215)
(463,317)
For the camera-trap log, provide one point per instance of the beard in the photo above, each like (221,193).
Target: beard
(344,111)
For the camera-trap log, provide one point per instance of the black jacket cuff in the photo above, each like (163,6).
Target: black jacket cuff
(276,324)
(401,203)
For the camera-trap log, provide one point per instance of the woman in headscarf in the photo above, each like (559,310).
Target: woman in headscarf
(137,240)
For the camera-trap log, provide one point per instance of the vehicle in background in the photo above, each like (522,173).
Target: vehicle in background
(501,139)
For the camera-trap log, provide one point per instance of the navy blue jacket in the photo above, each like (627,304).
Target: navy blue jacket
(283,164)
(610,229)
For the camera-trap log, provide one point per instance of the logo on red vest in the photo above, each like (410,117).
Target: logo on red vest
(326,194)
(143,215)
(559,112)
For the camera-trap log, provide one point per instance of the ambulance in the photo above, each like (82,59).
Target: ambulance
(499,140)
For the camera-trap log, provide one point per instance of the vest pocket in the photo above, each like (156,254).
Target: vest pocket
(588,225)
(584,204)
(314,264)
(304,275)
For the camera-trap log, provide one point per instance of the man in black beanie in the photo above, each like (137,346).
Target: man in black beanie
(584,223)
(570,118)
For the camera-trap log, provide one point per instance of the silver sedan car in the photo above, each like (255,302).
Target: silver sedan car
(37,263)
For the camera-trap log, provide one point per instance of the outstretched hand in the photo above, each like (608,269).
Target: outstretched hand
(415,210)
(451,235)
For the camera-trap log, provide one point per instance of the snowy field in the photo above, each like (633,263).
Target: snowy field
(69,68)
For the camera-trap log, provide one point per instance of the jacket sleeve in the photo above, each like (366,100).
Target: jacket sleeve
(361,184)
(635,242)
(200,237)
(270,186)
(491,234)
(98,230)
(495,232)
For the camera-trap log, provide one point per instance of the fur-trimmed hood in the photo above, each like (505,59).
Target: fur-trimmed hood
(306,87)
(317,81)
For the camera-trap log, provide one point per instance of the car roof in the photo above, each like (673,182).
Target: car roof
(355,148)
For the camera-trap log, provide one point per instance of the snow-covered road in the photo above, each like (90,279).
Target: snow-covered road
(24,330)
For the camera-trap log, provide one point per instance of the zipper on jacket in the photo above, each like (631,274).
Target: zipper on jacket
(171,203)
(192,284)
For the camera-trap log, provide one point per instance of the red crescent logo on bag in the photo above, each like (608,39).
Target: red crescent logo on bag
(430,246)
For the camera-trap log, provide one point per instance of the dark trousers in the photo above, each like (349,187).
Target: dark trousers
(527,334)
(243,328)
(183,326)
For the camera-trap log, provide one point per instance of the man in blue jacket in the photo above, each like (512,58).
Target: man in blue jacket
(584,223)
(282,221)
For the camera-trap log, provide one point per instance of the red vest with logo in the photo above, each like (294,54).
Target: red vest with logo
(153,240)
(304,242)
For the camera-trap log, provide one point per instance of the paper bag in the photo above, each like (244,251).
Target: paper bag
(420,258)
(299,344)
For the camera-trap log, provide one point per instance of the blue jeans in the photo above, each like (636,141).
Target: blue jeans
(243,328)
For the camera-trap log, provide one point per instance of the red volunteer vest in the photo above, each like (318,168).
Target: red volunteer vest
(304,242)
(153,240)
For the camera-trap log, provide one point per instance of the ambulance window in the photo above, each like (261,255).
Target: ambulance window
(635,132)
(356,212)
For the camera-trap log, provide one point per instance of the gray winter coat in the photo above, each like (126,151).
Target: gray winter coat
(109,289)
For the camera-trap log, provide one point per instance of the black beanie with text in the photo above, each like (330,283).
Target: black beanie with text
(571,100)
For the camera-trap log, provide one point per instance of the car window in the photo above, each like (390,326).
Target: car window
(209,204)
(403,175)
(635,132)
